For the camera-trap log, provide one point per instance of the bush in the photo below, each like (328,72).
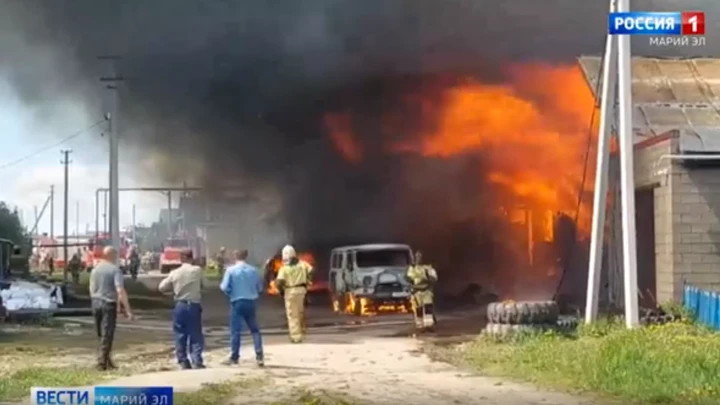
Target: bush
(671,363)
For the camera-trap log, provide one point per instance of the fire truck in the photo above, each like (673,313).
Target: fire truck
(170,257)
(95,248)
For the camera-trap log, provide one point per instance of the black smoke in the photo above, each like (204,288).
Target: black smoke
(242,87)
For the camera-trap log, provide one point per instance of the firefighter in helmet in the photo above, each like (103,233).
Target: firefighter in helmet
(292,282)
(220,259)
(134,261)
(422,278)
(75,267)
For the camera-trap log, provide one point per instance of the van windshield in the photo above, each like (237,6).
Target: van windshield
(385,257)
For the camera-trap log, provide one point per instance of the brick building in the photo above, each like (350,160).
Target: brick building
(677,132)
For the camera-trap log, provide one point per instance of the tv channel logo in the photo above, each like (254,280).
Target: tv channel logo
(657,23)
(101,395)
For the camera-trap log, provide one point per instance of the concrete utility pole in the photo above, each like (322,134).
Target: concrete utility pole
(66,162)
(39,216)
(105,212)
(133,223)
(627,178)
(77,218)
(627,175)
(607,118)
(112,82)
(169,215)
(52,212)
(97,213)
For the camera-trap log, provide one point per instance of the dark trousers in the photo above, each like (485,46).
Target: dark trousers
(244,311)
(187,326)
(105,315)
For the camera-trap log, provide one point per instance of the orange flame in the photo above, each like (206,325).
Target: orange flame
(532,134)
(363,306)
(275,265)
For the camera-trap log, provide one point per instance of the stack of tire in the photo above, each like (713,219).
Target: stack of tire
(509,318)
(657,317)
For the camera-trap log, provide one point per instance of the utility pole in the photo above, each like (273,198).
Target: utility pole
(105,212)
(52,213)
(607,118)
(66,162)
(627,175)
(37,216)
(112,82)
(77,218)
(169,215)
(618,65)
(133,224)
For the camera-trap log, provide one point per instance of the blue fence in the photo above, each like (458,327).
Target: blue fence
(704,304)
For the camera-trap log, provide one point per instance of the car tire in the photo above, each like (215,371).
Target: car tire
(504,330)
(353,302)
(337,303)
(523,312)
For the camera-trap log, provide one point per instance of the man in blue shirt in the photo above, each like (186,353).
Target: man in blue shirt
(242,284)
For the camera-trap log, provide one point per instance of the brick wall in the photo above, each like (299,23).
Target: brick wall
(650,171)
(687,219)
(696,225)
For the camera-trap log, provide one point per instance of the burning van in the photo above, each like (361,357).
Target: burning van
(370,279)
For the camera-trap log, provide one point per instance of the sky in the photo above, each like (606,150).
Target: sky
(26,184)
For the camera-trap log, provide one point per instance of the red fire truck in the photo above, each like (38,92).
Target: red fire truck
(96,246)
(170,257)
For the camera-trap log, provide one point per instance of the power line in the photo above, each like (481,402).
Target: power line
(54,145)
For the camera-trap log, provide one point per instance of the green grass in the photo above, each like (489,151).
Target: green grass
(677,363)
(216,394)
(17,385)
(212,273)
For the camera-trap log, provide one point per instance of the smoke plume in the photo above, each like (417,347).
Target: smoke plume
(242,89)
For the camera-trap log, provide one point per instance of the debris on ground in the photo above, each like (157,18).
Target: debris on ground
(23,295)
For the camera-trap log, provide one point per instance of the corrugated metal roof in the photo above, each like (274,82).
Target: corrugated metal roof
(672,94)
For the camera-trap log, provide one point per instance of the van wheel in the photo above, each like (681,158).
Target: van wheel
(336,303)
(353,302)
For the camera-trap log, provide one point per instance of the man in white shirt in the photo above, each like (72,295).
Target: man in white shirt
(186,283)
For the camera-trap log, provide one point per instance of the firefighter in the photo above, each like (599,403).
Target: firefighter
(147,261)
(49,261)
(423,279)
(292,282)
(220,261)
(134,261)
(75,267)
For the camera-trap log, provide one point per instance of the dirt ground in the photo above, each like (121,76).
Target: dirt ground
(373,361)
(371,369)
